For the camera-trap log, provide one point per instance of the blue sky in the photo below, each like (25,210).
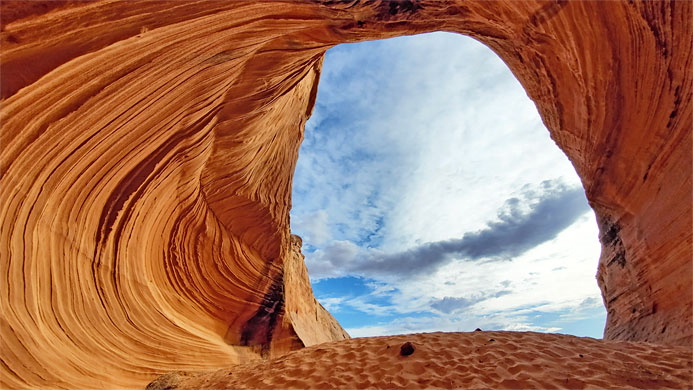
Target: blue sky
(430,197)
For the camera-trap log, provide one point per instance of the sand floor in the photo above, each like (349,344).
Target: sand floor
(497,360)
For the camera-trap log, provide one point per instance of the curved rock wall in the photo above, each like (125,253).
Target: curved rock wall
(148,150)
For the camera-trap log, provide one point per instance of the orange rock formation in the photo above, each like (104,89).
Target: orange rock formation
(148,150)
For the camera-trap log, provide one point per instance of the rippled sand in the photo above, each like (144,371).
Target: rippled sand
(499,360)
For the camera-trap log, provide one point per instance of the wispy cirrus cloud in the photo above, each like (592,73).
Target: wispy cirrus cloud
(428,192)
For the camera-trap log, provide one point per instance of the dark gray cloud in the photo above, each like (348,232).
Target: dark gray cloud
(589,302)
(331,261)
(524,222)
(448,305)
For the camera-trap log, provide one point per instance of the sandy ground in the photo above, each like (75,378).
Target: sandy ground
(498,360)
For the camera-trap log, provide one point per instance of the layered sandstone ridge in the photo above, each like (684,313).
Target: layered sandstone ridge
(148,150)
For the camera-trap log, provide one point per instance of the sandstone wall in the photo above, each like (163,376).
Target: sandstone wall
(148,150)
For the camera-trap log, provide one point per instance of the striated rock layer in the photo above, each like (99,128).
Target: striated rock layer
(148,150)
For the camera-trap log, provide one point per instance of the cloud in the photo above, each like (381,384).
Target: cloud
(547,212)
(333,260)
(332,304)
(589,302)
(377,309)
(451,304)
(411,176)
(313,227)
(406,325)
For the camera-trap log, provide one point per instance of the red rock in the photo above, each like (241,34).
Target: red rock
(148,151)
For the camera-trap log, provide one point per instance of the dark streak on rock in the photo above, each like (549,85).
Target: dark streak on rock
(675,110)
(543,15)
(611,240)
(258,331)
(388,9)
(457,10)
(403,6)
(653,23)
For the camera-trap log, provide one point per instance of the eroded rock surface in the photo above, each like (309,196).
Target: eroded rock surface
(148,150)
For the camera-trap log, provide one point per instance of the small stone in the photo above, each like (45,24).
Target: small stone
(168,381)
(407,349)
(581,355)
(478,330)
(491,340)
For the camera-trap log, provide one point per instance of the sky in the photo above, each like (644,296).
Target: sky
(430,197)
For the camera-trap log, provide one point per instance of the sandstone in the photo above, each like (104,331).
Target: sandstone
(148,151)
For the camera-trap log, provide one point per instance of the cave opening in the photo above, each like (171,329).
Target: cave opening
(430,197)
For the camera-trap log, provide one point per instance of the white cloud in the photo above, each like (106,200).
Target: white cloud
(314,227)
(522,224)
(497,295)
(361,304)
(332,304)
(406,325)
(332,260)
(423,139)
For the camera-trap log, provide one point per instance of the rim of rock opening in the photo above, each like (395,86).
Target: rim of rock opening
(147,154)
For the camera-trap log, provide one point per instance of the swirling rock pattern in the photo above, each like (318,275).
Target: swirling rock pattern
(148,150)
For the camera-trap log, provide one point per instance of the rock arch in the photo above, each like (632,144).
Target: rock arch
(148,151)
